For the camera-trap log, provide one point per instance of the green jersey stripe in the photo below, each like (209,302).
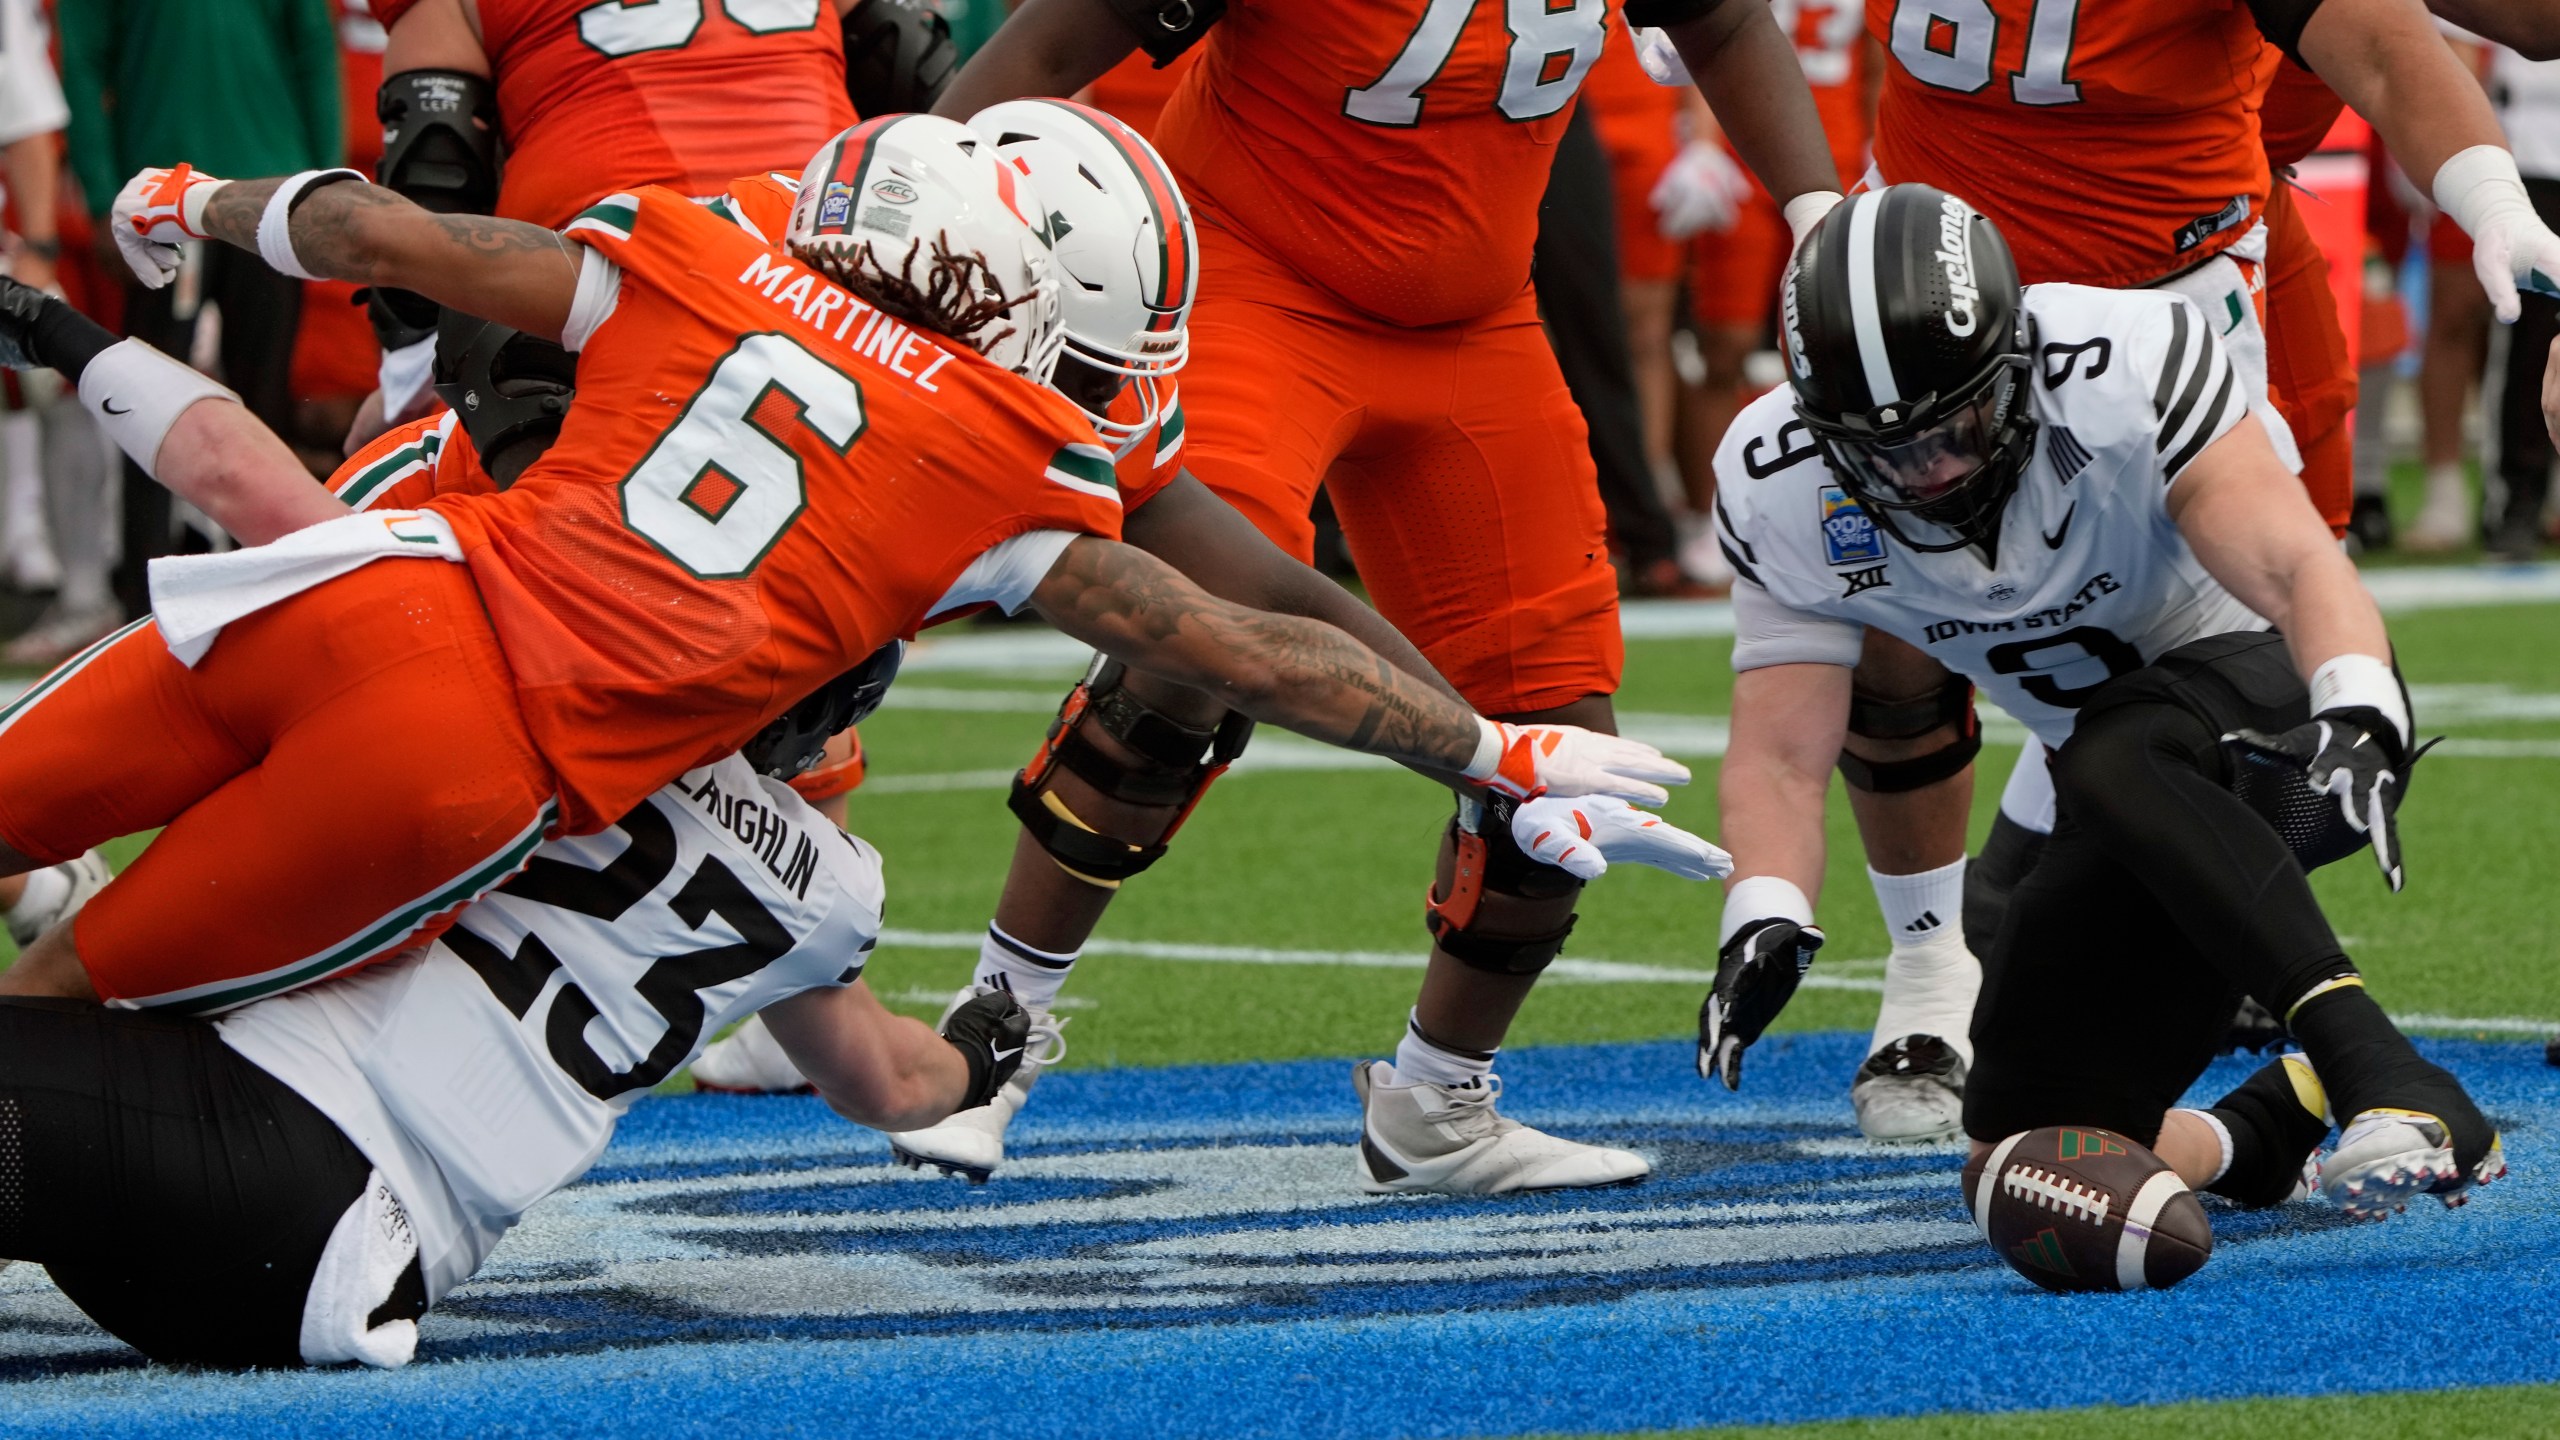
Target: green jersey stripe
(396,466)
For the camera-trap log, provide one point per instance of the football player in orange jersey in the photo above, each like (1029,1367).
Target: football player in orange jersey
(1367,177)
(838,477)
(579,101)
(2147,116)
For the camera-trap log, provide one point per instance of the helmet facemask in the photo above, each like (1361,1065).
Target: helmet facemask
(1937,474)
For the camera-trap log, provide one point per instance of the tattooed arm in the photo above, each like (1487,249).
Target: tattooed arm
(517,274)
(1299,673)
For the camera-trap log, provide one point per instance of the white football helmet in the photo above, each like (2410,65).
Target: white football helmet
(1120,236)
(896,183)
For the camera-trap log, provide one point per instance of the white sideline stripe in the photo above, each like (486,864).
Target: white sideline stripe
(1607,972)
(1595,971)
(2397,591)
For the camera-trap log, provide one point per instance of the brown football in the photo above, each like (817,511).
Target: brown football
(2075,1208)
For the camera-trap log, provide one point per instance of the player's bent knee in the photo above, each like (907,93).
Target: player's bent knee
(1901,743)
(1491,907)
(1131,752)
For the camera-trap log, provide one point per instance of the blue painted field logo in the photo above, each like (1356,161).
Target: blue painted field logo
(1848,536)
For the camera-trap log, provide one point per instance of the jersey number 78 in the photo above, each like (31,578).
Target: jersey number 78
(1551,50)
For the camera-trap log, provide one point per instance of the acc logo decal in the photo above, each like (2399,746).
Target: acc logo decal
(1848,536)
(894,190)
(837,204)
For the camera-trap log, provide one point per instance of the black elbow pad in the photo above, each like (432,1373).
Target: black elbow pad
(440,140)
(1166,28)
(1654,14)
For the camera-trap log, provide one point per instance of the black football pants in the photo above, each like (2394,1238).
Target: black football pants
(178,1194)
(2161,898)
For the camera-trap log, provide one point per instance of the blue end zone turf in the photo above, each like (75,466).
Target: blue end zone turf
(1182,1252)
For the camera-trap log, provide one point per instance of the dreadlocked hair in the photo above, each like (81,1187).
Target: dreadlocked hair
(959,295)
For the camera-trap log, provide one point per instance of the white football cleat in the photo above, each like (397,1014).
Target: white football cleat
(87,873)
(971,1143)
(1421,1138)
(1911,1090)
(749,1061)
(2388,1157)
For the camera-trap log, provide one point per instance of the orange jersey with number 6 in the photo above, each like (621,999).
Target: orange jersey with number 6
(596,98)
(1393,152)
(763,480)
(2113,141)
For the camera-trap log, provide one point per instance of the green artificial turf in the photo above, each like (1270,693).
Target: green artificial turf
(2521,1412)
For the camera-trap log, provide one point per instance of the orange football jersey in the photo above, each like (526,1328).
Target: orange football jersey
(594,99)
(408,465)
(1392,152)
(1135,89)
(2113,141)
(763,480)
(2297,114)
(761,205)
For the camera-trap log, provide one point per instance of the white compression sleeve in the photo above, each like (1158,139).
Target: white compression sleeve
(137,393)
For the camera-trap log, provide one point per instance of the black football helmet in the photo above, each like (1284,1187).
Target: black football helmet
(798,736)
(511,389)
(1907,347)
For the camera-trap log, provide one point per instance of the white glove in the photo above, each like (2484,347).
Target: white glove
(156,212)
(1660,58)
(1585,837)
(1804,212)
(2510,245)
(1701,189)
(1527,761)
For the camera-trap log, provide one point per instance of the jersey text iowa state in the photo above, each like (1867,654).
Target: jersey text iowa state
(899,348)
(2101,584)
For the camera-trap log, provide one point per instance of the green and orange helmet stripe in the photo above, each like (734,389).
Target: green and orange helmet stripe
(1178,264)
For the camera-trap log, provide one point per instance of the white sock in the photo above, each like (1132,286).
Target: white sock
(1931,978)
(1032,974)
(2447,477)
(46,890)
(2221,1132)
(1422,1059)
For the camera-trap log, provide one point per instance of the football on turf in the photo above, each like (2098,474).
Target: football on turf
(2085,1209)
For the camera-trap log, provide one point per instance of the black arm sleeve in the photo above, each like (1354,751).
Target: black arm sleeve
(1166,28)
(2281,21)
(1653,14)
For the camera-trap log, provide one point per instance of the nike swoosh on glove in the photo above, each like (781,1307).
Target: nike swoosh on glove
(1585,837)
(1701,189)
(1527,761)
(2353,753)
(1756,975)
(156,212)
(990,1031)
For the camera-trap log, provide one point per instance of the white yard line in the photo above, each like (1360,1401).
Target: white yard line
(1598,972)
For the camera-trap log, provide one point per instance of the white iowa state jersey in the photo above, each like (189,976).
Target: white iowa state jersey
(2093,579)
(488,1069)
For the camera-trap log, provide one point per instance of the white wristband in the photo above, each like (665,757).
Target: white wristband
(275,234)
(1488,751)
(1762,897)
(2362,680)
(137,393)
(1804,210)
(2478,185)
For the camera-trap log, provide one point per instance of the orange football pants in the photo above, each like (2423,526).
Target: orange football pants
(2310,376)
(1457,463)
(340,774)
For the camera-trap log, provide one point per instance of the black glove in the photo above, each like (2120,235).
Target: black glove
(1756,974)
(990,1032)
(21,306)
(41,331)
(2355,754)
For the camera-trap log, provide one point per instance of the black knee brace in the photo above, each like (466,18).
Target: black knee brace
(1175,765)
(1877,718)
(1491,906)
(439,150)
